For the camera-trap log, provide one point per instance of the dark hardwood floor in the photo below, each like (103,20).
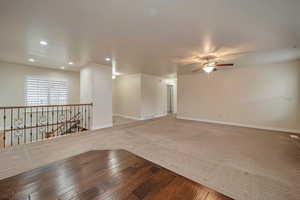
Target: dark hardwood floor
(115,174)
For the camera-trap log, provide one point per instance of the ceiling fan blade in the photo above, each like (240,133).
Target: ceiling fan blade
(225,65)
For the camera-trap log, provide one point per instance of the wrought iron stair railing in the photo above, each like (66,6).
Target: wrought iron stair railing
(62,130)
(26,124)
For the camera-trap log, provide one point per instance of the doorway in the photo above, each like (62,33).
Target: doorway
(170,99)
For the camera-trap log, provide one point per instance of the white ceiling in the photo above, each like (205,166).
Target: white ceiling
(150,36)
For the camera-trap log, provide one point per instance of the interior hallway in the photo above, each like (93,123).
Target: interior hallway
(241,163)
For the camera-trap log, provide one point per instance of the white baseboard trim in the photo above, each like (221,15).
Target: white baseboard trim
(141,118)
(101,127)
(153,116)
(241,125)
(126,116)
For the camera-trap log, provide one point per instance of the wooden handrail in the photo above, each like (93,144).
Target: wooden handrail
(45,106)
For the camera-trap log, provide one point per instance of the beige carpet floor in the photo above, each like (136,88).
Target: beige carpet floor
(242,163)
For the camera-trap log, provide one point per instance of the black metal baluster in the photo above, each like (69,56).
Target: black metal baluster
(82,115)
(79,118)
(66,124)
(61,119)
(24,133)
(89,117)
(31,124)
(74,116)
(4,127)
(47,122)
(52,121)
(78,121)
(11,127)
(42,123)
(37,124)
(85,117)
(18,127)
(57,120)
(70,124)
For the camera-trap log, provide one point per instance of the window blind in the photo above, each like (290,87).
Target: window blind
(45,92)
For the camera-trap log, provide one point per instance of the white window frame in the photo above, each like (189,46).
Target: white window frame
(41,91)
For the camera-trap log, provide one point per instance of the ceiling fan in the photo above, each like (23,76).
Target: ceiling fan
(213,66)
(210,64)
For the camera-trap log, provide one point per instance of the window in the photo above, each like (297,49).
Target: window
(45,92)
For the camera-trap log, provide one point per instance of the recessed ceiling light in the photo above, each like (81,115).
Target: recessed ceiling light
(44,43)
(31,60)
(71,63)
(107,59)
(62,67)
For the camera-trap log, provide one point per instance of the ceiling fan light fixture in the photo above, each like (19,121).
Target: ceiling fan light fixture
(208,69)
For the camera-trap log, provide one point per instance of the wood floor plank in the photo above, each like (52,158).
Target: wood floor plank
(115,174)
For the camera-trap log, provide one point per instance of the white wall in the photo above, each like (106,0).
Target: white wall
(86,85)
(265,96)
(12,77)
(96,87)
(154,96)
(127,96)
